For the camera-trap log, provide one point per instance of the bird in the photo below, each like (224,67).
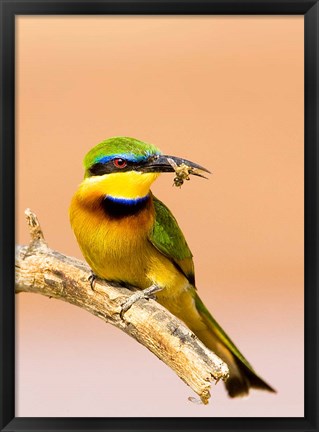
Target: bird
(129,236)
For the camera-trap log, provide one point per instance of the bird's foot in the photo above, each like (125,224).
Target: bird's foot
(92,279)
(147,293)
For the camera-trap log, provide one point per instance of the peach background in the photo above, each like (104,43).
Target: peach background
(226,92)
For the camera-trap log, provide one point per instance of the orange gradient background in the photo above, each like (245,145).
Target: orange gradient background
(225,92)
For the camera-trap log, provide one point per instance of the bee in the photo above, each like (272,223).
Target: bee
(182,171)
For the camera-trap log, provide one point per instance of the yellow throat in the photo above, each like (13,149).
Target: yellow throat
(126,185)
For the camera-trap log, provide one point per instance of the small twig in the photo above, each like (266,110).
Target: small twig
(34,227)
(42,270)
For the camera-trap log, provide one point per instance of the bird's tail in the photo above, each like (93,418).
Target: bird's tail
(241,374)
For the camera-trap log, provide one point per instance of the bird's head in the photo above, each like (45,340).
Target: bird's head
(123,167)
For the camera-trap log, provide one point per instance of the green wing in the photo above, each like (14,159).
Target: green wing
(168,238)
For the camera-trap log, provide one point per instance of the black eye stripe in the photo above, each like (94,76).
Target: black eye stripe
(109,167)
(97,169)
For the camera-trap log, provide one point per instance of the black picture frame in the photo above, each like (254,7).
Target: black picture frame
(10,8)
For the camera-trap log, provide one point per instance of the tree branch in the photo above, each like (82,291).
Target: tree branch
(42,270)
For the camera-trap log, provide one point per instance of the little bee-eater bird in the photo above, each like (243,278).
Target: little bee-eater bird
(129,236)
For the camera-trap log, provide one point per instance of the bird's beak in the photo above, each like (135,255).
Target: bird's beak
(166,163)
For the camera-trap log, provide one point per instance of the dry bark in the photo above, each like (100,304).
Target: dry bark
(42,270)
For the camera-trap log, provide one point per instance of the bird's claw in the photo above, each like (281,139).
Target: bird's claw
(147,293)
(92,279)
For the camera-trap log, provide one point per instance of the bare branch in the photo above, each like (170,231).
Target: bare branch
(42,270)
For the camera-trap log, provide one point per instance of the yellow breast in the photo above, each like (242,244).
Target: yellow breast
(114,249)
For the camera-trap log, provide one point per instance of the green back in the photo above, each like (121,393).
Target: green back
(168,238)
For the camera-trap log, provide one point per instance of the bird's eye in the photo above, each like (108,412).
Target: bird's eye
(119,163)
